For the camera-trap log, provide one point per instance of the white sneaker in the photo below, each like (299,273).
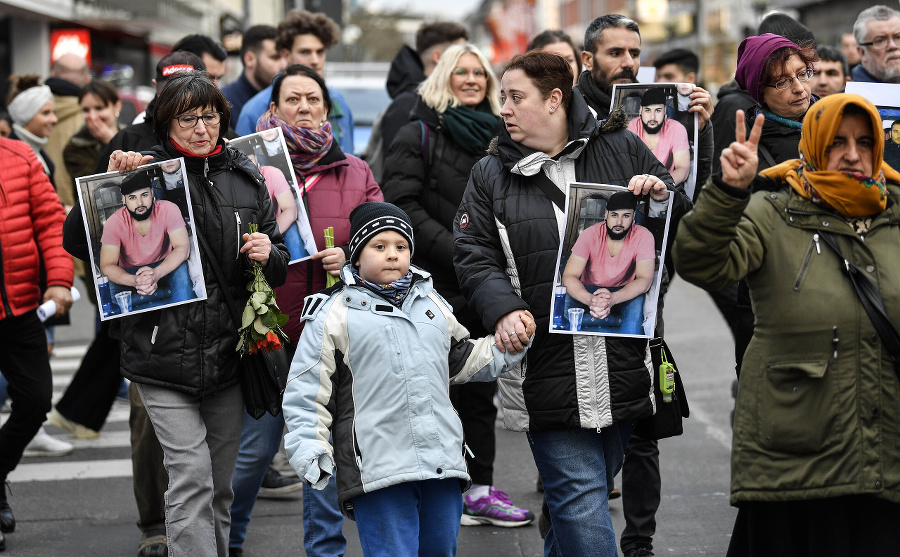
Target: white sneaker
(45,445)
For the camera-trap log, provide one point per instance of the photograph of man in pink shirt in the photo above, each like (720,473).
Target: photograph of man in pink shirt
(610,269)
(667,138)
(144,249)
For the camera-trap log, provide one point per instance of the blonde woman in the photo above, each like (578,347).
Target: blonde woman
(454,120)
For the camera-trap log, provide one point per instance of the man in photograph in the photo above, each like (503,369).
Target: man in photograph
(667,138)
(145,247)
(610,269)
(892,146)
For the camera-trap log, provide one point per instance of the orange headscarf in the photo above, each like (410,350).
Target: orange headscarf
(851,195)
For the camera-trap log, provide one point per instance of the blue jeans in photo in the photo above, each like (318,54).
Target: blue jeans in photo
(175,287)
(294,243)
(577,467)
(410,519)
(323,522)
(626,318)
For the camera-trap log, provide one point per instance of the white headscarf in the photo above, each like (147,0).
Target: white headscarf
(27,103)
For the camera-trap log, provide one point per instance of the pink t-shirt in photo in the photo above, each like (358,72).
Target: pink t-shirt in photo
(276,184)
(673,138)
(136,250)
(603,270)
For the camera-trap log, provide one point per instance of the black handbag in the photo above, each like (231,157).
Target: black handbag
(263,374)
(666,422)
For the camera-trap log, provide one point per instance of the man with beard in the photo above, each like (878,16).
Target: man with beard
(667,138)
(262,62)
(610,269)
(145,246)
(877,32)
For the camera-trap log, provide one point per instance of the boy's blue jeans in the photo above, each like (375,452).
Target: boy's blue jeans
(411,519)
(322,519)
(577,467)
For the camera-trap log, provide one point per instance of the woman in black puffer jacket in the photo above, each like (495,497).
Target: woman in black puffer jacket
(426,171)
(183,358)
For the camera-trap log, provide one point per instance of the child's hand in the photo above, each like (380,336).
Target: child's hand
(528,321)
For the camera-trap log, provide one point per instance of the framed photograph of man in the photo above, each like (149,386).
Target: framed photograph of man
(609,266)
(658,114)
(267,149)
(144,254)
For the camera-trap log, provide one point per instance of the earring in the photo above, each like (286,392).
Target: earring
(552,109)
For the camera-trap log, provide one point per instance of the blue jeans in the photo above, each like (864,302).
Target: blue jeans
(411,519)
(177,286)
(294,243)
(577,467)
(626,318)
(322,520)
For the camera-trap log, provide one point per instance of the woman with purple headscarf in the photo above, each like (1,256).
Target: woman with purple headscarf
(775,72)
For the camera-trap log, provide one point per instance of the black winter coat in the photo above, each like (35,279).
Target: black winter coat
(731,99)
(404,77)
(506,240)
(431,206)
(191,347)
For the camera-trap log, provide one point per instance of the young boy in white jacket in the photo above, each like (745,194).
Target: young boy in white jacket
(372,369)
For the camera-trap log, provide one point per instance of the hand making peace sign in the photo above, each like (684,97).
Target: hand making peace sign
(739,160)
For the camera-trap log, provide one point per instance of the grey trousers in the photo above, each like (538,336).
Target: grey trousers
(200,438)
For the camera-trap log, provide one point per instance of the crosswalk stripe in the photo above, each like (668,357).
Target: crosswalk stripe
(72,470)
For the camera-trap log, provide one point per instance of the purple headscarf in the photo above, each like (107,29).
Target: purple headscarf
(752,56)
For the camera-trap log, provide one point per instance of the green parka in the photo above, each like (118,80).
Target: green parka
(818,407)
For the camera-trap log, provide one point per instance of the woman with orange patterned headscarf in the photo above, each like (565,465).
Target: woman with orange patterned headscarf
(816,447)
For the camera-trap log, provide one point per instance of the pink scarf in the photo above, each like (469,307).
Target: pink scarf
(306,146)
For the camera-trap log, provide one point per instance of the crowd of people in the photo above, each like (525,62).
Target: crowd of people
(445,242)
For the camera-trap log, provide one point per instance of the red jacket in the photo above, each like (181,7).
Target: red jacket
(31,217)
(345,182)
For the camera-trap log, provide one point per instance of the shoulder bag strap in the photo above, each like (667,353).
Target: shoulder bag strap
(550,189)
(871,301)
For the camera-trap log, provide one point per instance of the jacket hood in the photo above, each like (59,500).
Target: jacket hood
(732,88)
(62,88)
(582,125)
(406,72)
(422,111)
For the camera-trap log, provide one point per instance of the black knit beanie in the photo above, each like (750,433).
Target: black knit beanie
(787,27)
(368,219)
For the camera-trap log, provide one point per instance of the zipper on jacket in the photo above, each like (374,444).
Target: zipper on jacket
(834,342)
(818,248)
(237,219)
(3,292)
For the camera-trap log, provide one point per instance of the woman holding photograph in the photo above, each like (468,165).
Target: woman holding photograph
(183,358)
(332,184)
(816,449)
(506,241)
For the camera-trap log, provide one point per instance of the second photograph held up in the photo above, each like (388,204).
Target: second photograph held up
(609,266)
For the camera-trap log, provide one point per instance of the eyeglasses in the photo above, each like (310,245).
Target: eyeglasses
(190,121)
(786,82)
(479,73)
(881,42)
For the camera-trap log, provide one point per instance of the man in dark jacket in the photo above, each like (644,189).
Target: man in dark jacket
(612,53)
(262,62)
(408,69)
(875,30)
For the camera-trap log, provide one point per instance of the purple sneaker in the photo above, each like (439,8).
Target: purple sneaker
(495,509)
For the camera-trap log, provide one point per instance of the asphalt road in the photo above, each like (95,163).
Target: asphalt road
(83,505)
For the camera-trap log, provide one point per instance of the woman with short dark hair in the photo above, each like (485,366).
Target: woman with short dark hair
(183,358)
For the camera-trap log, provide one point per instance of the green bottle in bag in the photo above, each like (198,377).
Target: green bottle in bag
(666,378)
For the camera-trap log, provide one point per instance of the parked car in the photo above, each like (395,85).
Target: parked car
(367,97)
